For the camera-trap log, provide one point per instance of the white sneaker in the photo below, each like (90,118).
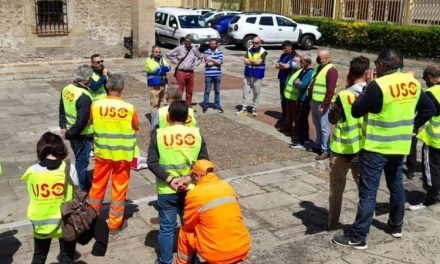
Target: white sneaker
(416,207)
(254,112)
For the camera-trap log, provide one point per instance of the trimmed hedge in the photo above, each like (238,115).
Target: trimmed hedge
(414,41)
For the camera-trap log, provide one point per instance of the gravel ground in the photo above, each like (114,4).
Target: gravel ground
(232,145)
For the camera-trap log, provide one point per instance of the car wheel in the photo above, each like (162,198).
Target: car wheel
(247,42)
(307,42)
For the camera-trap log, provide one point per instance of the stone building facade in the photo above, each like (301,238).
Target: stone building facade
(97,26)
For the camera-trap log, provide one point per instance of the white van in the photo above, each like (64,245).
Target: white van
(173,24)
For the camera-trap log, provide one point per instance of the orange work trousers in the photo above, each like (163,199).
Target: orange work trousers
(186,251)
(119,171)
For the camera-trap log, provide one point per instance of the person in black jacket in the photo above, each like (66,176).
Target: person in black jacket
(74,112)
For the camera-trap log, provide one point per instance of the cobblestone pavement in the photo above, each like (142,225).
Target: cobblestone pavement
(283,192)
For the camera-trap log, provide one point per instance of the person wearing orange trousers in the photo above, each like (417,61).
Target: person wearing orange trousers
(114,124)
(213,226)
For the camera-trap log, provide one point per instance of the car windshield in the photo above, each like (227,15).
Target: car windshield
(191,21)
(206,15)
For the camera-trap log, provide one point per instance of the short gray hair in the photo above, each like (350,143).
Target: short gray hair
(115,83)
(83,73)
(307,57)
(174,92)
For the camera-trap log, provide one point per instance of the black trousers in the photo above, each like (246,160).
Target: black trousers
(42,246)
(431,174)
(303,121)
(411,159)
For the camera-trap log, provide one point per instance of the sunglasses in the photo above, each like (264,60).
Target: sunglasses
(98,62)
(256,42)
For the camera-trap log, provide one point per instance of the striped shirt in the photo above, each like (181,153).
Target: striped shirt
(217,55)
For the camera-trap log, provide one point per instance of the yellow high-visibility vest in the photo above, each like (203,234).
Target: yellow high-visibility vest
(390,131)
(100,93)
(114,136)
(291,92)
(320,85)
(163,122)
(45,188)
(347,135)
(179,147)
(431,132)
(70,95)
(255,71)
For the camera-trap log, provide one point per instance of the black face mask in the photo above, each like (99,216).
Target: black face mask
(318,60)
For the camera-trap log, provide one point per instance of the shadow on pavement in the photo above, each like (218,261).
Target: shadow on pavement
(9,245)
(130,209)
(151,240)
(273,114)
(314,218)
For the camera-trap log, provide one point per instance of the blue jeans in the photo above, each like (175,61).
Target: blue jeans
(209,80)
(322,126)
(81,148)
(372,164)
(169,206)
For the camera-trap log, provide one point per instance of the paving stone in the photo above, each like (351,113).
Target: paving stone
(297,188)
(245,188)
(267,200)
(280,217)
(270,178)
(402,250)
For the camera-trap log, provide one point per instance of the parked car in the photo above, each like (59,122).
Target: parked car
(213,15)
(272,29)
(221,24)
(173,24)
(202,11)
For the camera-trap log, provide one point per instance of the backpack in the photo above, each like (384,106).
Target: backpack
(77,215)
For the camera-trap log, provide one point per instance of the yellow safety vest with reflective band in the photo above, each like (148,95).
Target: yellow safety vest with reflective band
(255,71)
(291,92)
(163,111)
(390,131)
(114,136)
(320,85)
(179,147)
(431,132)
(70,95)
(347,135)
(100,93)
(151,67)
(45,188)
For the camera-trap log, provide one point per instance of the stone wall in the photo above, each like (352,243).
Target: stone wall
(97,26)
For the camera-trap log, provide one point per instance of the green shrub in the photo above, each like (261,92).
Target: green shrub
(414,41)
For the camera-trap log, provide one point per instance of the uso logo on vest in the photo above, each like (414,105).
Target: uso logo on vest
(44,190)
(111,112)
(402,90)
(179,140)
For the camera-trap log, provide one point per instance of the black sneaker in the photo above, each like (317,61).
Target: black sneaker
(220,110)
(205,109)
(410,175)
(345,241)
(395,231)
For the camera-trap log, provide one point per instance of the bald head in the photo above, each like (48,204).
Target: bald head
(323,56)
(256,42)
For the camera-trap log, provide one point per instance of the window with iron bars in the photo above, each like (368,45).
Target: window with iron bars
(51,17)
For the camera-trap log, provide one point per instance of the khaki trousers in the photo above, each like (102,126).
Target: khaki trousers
(339,166)
(156,94)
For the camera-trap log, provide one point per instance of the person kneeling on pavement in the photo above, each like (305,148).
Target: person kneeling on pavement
(213,225)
